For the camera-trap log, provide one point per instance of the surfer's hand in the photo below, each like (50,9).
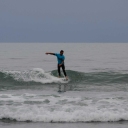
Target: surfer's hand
(46,53)
(60,65)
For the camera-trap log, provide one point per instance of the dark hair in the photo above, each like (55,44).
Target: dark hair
(61,51)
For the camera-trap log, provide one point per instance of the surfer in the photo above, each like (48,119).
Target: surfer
(60,58)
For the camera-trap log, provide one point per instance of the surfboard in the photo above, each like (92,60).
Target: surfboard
(64,79)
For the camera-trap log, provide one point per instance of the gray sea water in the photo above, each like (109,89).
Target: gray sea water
(97,89)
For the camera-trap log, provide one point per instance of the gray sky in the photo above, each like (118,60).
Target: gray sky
(63,20)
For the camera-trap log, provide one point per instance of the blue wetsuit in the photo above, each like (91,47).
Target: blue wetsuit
(60,59)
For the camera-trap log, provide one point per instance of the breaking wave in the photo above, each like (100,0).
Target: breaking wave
(39,76)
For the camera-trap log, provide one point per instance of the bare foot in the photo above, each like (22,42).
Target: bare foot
(66,78)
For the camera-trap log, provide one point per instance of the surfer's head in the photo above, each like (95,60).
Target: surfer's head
(61,52)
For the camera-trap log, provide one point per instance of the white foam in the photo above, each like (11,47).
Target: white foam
(36,75)
(34,107)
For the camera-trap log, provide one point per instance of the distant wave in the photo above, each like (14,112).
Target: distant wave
(60,119)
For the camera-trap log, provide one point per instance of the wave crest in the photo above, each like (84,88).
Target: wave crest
(35,75)
(39,76)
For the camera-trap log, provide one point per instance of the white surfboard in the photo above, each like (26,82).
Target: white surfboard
(64,79)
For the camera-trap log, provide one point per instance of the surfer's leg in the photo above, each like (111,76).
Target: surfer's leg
(58,70)
(63,67)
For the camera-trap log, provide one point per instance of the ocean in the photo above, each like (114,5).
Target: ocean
(31,94)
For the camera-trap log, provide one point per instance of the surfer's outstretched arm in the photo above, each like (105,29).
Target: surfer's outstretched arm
(49,53)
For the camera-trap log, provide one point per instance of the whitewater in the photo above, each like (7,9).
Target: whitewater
(95,92)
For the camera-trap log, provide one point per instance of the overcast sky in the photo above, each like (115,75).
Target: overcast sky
(63,20)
